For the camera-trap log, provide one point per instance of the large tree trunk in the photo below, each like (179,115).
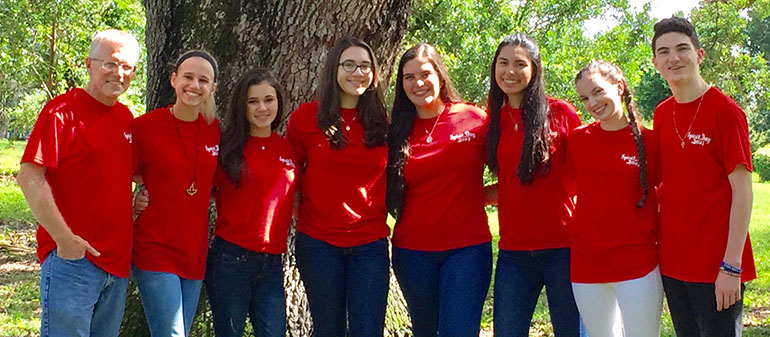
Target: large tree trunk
(291,38)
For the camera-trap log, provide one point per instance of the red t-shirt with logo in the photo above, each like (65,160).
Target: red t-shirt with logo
(444,197)
(257,214)
(534,216)
(343,191)
(611,239)
(86,148)
(171,235)
(696,195)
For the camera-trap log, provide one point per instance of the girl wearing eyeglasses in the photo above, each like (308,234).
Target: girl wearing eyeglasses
(341,245)
(442,255)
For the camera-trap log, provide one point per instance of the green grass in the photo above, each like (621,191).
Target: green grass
(10,154)
(13,208)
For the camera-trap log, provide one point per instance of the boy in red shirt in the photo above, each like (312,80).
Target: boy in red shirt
(705,253)
(76,176)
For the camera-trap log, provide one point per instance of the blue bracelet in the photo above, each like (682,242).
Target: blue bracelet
(730,268)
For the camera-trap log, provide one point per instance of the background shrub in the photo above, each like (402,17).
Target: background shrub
(762,163)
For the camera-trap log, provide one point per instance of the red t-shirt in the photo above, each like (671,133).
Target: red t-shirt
(611,240)
(696,196)
(257,214)
(444,197)
(171,235)
(534,216)
(86,148)
(343,191)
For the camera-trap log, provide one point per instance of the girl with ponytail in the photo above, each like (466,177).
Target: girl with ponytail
(175,153)
(614,263)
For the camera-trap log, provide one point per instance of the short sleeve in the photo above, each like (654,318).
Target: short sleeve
(734,137)
(50,136)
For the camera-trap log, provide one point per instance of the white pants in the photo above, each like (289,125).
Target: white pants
(628,308)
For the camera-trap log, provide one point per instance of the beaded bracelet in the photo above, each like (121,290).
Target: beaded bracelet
(730,268)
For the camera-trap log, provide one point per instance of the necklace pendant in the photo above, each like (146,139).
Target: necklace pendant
(263,147)
(429,139)
(347,127)
(516,126)
(683,144)
(192,190)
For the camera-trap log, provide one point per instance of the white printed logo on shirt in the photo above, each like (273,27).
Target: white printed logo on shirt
(629,160)
(214,150)
(463,137)
(287,161)
(698,139)
(129,137)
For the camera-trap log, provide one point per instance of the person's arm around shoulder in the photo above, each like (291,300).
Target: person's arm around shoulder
(727,287)
(37,191)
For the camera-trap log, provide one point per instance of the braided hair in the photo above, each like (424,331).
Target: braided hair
(613,74)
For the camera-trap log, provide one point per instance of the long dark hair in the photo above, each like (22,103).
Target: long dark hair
(402,121)
(613,74)
(371,106)
(235,129)
(535,151)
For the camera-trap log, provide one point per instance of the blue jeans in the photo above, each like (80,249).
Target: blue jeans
(444,290)
(519,278)
(242,282)
(79,299)
(344,282)
(169,301)
(694,310)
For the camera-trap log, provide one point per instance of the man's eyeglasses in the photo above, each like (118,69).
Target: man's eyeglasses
(351,66)
(111,66)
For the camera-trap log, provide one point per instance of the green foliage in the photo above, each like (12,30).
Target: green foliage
(652,90)
(466,33)
(734,62)
(762,163)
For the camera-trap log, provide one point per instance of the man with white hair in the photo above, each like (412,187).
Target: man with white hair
(76,176)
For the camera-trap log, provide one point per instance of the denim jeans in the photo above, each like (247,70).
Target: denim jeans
(694,312)
(519,278)
(444,290)
(169,301)
(79,299)
(242,282)
(347,287)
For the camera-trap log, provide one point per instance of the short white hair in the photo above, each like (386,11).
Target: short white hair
(125,39)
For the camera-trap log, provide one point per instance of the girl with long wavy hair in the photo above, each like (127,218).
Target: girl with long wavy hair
(442,254)
(526,149)
(614,259)
(255,199)
(341,246)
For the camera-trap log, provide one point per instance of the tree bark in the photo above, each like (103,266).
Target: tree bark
(291,37)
